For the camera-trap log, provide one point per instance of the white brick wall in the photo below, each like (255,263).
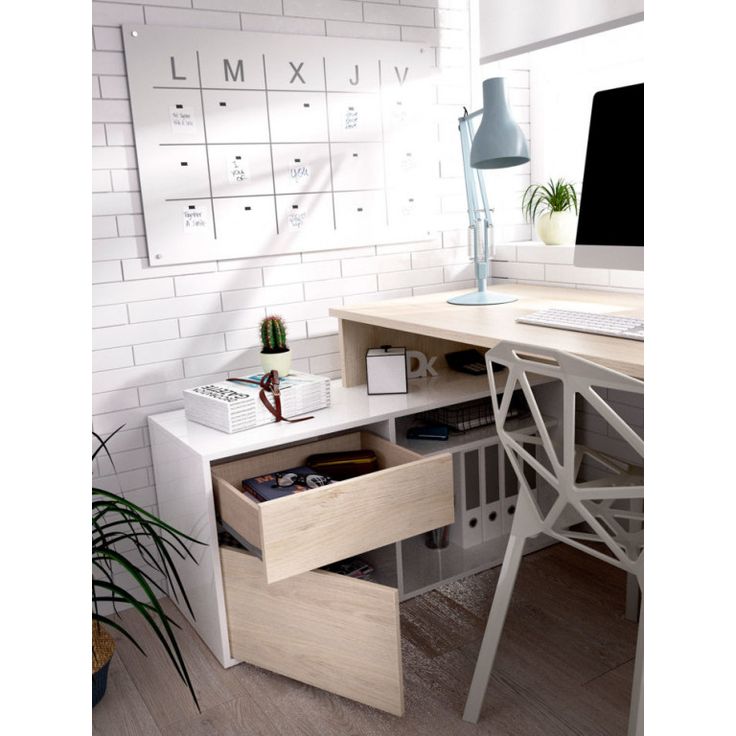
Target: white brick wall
(159,330)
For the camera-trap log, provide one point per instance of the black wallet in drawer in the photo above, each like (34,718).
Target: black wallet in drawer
(344,465)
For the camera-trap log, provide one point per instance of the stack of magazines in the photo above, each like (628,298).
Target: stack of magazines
(234,407)
(353,567)
(269,486)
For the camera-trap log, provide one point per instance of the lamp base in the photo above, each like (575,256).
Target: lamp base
(481,298)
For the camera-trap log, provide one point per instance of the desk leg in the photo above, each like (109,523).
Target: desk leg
(355,338)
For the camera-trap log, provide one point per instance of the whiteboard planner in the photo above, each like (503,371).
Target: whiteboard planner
(251,144)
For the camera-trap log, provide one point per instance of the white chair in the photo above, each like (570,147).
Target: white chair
(592,501)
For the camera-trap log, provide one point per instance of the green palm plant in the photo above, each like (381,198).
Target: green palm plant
(118,524)
(555,196)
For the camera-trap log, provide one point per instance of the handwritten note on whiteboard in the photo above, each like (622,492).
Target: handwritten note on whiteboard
(237,170)
(299,173)
(351,118)
(194,218)
(181,118)
(296,220)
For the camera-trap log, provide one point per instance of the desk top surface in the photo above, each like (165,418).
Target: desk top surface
(486,326)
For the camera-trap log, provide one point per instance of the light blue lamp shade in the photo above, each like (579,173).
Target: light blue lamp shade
(499,142)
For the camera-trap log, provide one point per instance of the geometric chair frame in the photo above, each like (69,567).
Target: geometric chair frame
(602,516)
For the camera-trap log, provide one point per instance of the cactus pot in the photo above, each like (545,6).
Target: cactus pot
(557,228)
(280,362)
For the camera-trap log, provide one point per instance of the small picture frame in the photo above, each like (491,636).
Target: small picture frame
(385,369)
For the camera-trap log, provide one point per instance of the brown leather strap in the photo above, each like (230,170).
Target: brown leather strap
(270,382)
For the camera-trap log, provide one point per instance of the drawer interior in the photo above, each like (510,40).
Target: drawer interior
(388,454)
(406,496)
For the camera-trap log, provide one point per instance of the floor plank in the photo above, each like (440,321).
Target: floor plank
(564,668)
(164,693)
(122,711)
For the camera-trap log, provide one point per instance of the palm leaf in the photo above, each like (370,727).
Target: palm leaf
(117,522)
(167,638)
(115,625)
(103,444)
(145,514)
(554,196)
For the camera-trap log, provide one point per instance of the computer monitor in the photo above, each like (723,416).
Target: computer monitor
(611,219)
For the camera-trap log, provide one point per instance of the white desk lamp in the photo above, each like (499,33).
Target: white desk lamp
(498,144)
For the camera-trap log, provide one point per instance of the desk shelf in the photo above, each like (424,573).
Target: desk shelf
(194,464)
(459,441)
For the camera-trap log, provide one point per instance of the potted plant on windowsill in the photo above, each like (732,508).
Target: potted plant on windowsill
(275,353)
(122,532)
(553,208)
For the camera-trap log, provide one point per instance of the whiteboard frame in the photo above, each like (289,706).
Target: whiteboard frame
(148,51)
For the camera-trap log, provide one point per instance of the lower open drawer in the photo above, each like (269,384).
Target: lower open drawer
(407,496)
(331,631)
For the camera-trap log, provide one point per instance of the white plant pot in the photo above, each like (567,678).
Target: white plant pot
(280,362)
(557,228)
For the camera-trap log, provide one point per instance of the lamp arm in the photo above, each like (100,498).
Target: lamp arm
(479,218)
(496,144)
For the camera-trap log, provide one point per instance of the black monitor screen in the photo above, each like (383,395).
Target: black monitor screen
(612,197)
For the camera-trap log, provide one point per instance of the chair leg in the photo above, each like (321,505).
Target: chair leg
(633,598)
(636,712)
(496,618)
(633,589)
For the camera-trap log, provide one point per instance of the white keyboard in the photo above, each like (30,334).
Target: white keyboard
(596,324)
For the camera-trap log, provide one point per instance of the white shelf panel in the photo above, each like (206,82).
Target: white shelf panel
(350,408)
(462,441)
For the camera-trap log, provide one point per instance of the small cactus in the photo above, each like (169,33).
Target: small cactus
(273,334)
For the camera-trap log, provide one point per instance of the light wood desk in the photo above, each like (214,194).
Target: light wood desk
(428,323)
(272,606)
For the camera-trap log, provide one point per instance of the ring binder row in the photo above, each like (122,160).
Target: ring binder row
(486,491)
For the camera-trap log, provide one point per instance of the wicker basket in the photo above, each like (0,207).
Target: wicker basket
(462,417)
(472,414)
(103,647)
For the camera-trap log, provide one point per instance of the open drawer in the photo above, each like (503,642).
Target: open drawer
(407,496)
(331,631)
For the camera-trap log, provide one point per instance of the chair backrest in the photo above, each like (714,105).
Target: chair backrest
(587,497)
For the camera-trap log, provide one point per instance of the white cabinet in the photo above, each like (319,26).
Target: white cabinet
(383,517)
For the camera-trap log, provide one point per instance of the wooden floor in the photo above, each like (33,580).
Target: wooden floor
(564,667)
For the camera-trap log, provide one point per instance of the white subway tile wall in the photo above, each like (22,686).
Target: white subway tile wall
(159,330)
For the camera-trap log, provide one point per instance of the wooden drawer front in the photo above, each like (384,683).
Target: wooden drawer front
(410,495)
(330,631)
